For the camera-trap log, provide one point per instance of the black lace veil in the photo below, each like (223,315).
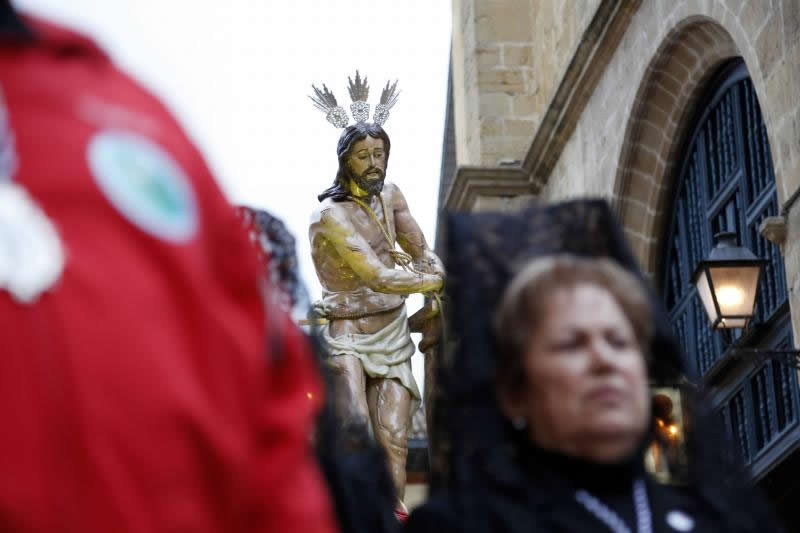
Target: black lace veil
(482,254)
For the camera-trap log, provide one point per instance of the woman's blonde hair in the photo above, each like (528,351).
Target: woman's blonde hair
(523,303)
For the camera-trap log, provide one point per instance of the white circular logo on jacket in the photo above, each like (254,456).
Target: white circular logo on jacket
(680,521)
(144,183)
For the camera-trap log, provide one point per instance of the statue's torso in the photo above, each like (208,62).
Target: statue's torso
(344,292)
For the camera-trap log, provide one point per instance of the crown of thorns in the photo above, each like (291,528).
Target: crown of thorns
(325,101)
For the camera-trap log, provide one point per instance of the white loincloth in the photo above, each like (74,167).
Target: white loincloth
(384,354)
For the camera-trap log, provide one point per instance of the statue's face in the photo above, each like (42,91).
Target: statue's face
(367,164)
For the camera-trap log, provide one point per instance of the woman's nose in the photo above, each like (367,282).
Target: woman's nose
(602,354)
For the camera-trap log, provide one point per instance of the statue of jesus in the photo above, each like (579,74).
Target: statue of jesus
(353,234)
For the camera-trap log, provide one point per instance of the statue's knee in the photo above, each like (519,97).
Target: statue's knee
(340,366)
(396,436)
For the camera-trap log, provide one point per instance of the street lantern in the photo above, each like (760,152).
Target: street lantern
(727,283)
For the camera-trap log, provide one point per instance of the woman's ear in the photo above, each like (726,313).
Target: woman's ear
(510,400)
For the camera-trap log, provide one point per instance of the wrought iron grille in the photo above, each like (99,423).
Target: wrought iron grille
(763,408)
(726,182)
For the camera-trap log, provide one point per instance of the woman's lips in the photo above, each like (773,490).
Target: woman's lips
(606,394)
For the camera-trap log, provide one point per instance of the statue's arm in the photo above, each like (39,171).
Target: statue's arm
(410,237)
(334,227)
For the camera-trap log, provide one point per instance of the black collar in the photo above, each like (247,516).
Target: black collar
(584,474)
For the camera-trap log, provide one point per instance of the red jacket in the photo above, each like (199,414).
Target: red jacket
(139,393)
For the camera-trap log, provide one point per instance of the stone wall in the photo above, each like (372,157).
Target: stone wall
(508,58)
(626,141)
(792,261)
(464,74)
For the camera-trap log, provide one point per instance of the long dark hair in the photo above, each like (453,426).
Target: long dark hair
(351,135)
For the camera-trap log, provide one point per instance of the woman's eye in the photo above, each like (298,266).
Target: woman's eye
(565,345)
(618,341)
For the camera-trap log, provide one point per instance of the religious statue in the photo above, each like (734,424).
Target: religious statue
(353,234)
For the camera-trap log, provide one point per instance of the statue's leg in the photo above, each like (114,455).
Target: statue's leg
(390,409)
(349,390)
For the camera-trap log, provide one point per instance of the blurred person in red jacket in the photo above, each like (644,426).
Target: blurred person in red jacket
(138,390)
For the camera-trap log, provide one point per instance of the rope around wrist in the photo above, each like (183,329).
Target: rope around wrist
(403,259)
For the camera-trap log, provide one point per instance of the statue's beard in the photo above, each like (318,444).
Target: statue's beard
(372,185)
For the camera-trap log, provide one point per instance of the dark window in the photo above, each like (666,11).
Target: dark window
(726,182)
(737,408)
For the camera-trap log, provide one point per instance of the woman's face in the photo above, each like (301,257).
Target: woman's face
(585,387)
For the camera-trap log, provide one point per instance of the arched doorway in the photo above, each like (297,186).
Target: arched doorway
(724,181)
(668,93)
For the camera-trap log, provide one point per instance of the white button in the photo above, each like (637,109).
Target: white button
(680,521)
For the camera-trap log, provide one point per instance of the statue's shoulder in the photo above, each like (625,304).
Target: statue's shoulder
(329,214)
(390,188)
(393,195)
(391,192)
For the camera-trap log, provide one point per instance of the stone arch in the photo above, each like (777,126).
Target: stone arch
(664,104)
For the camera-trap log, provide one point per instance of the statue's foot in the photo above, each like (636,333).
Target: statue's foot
(401,515)
(401,512)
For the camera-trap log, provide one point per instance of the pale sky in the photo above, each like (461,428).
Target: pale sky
(237,73)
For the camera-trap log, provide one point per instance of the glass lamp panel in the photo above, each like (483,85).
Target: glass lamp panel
(704,290)
(726,323)
(735,288)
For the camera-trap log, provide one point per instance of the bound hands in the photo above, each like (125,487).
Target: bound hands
(426,320)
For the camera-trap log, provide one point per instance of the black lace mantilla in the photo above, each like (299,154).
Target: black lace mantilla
(484,251)
(475,445)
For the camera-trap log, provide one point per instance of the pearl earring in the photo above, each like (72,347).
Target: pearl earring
(519,422)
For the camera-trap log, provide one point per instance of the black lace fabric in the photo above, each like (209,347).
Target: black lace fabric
(474,444)
(276,250)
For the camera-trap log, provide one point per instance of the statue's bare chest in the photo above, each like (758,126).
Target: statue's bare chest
(369,228)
